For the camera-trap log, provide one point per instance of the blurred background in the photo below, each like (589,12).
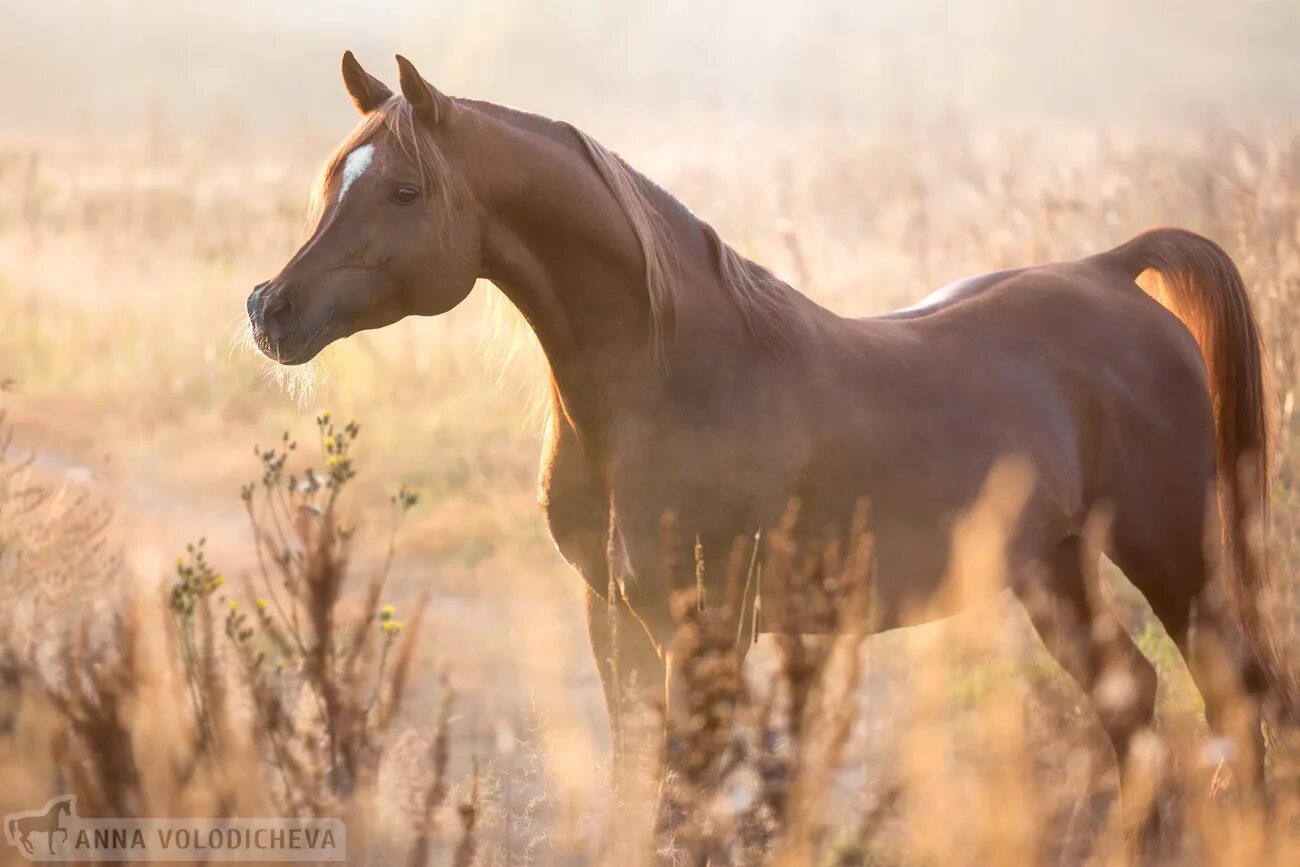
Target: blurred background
(155,160)
(113,65)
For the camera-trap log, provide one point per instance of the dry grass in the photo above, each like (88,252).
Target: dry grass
(953,745)
(274,699)
(284,698)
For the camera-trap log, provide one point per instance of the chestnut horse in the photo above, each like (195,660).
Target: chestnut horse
(686,379)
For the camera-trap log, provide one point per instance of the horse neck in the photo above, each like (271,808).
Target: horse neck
(559,245)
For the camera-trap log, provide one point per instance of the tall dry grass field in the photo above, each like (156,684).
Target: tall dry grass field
(466,724)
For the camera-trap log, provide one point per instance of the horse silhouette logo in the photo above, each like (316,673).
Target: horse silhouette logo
(51,821)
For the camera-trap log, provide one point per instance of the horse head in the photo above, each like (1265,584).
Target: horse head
(394,231)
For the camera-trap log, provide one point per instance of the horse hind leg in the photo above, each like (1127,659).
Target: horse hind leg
(1230,681)
(1176,580)
(1088,641)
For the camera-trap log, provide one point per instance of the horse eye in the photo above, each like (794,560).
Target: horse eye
(405,195)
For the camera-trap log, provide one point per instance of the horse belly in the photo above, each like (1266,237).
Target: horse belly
(923,476)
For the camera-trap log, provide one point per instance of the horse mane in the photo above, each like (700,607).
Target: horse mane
(762,297)
(650,230)
(763,300)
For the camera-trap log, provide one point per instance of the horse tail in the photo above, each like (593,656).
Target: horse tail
(1200,285)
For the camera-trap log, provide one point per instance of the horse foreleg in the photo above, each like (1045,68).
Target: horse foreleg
(632,677)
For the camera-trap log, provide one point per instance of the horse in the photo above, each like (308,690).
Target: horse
(20,828)
(688,380)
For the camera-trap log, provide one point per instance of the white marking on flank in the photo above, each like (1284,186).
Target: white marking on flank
(355,166)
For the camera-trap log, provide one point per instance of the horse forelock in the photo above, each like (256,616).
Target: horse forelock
(395,118)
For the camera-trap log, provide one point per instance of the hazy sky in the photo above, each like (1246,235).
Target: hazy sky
(107,62)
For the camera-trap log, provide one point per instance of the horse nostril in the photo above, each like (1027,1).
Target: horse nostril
(277,313)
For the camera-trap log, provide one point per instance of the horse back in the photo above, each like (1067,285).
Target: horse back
(1069,367)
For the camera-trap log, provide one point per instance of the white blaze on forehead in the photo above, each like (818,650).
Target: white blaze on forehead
(355,166)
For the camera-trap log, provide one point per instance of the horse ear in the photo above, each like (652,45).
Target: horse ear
(429,104)
(367,92)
